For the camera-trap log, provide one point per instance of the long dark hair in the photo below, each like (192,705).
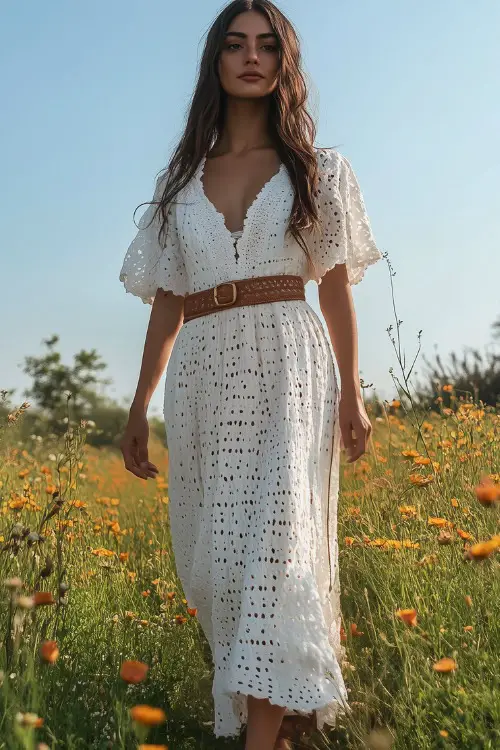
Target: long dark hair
(291,126)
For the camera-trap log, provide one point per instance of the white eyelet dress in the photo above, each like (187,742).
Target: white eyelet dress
(251,416)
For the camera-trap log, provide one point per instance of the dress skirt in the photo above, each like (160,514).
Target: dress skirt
(251,417)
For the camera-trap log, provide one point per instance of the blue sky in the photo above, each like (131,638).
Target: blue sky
(94,97)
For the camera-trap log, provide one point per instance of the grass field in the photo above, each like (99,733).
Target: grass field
(417,588)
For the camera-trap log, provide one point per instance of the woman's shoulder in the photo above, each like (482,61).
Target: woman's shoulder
(329,158)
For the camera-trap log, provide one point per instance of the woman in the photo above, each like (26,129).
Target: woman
(247,212)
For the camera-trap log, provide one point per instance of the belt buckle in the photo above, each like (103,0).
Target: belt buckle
(231,301)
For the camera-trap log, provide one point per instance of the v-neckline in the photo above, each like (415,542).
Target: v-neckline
(250,210)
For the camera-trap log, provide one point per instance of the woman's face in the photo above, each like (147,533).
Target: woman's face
(250,46)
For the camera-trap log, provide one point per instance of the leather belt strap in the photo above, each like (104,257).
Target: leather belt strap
(254,291)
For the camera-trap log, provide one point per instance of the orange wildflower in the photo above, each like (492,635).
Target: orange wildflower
(49,651)
(439,522)
(349,540)
(464,534)
(170,595)
(192,611)
(153,747)
(43,597)
(488,493)
(408,510)
(468,600)
(445,665)
(421,480)
(354,630)
(147,715)
(408,616)
(180,619)
(482,550)
(421,460)
(133,671)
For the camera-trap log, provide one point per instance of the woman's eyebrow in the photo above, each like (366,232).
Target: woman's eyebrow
(244,36)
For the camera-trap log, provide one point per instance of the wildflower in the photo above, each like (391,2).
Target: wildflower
(147,715)
(408,511)
(349,540)
(468,628)
(439,522)
(421,461)
(180,619)
(410,453)
(443,733)
(123,556)
(13,583)
(43,597)
(408,544)
(133,671)
(468,600)
(153,747)
(49,651)
(488,493)
(170,595)
(192,611)
(445,665)
(464,534)
(408,616)
(102,552)
(454,502)
(25,602)
(355,631)
(29,719)
(421,480)
(482,550)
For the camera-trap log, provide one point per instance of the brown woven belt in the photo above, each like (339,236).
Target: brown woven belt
(254,291)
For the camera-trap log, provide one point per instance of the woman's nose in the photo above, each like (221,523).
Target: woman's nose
(252,54)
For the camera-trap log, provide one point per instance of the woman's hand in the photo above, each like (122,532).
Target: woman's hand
(354,419)
(134,446)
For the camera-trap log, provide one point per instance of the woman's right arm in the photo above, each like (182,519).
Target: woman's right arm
(167,315)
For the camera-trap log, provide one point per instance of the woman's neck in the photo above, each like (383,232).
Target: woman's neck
(245,127)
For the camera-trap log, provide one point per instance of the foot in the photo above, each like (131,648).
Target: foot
(293,729)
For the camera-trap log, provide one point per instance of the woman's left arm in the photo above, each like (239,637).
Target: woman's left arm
(337,306)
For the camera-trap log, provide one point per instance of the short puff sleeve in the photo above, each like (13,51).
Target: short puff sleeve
(148,265)
(346,235)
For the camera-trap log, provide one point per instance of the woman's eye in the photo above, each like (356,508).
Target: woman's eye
(234,44)
(270,47)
